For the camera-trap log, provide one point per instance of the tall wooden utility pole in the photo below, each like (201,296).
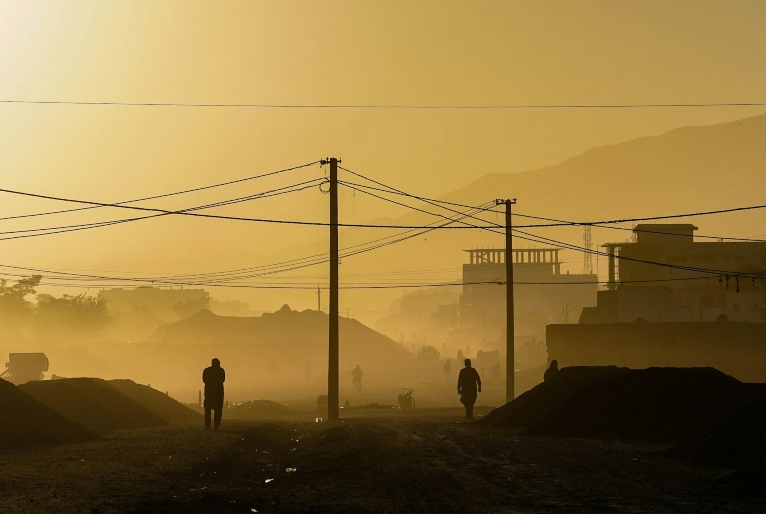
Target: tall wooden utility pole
(333,387)
(319,300)
(510,355)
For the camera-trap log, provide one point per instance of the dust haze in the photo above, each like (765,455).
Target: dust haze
(382,257)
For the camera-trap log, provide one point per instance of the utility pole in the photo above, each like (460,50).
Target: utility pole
(333,388)
(319,300)
(510,356)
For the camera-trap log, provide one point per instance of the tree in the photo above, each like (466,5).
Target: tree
(15,310)
(77,315)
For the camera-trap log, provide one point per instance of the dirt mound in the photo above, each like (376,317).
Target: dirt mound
(663,405)
(92,403)
(736,440)
(156,402)
(529,378)
(258,409)
(28,422)
(531,407)
(750,481)
(285,335)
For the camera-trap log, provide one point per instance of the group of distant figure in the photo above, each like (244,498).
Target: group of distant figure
(468,387)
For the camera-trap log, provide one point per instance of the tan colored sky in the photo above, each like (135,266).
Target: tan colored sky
(354,52)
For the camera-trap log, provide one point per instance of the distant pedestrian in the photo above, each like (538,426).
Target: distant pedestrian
(468,387)
(448,370)
(356,378)
(552,372)
(460,356)
(214,377)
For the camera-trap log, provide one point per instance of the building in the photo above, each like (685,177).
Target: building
(424,317)
(542,294)
(673,301)
(665,275)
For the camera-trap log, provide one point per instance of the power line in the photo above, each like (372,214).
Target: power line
(213,216)
(270,269)
(715,272)
(45,231)
(165,195)
(558,222)
(405,205)
(400,192)
(383,106)
(122,205)
(264,194)
(363,248)
(312,287)
(604,224)
(646,218)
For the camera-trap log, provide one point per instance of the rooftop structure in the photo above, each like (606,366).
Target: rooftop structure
(708,279)
(664,233)
(539,296)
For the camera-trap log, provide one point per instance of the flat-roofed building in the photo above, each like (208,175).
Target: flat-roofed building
(542,294)
(707,279)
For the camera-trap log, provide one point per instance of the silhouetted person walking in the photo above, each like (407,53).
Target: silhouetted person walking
(214,377)
(468,387)
(356,375)
(552,372)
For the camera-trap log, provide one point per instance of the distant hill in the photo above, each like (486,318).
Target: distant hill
(684,170)
(688,169)
(285,335)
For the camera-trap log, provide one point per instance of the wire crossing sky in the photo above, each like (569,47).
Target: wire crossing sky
(401,107)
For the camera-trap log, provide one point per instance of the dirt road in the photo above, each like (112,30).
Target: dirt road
(427,463)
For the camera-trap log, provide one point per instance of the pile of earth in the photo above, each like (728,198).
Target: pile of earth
(526,379)
(30,423)
(737,441)
(532,406)
(159,404)
(258,409)
(283,336)
(659,405)
(750,480)
(710,418)
(92,403)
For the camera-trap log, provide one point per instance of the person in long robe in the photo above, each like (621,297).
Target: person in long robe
(468,387)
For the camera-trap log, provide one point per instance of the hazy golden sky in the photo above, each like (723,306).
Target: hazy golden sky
(351,52)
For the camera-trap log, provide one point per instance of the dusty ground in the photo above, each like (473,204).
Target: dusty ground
(431,462)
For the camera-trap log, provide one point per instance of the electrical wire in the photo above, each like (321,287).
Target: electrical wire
(383,106)
(599,224)
(714,272)
(85,226)
(558,222)
(166,195)
(213,216)
(270,269)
